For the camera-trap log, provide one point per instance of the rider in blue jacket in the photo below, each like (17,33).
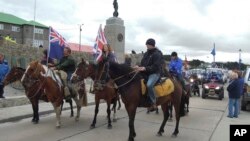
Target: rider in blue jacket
(175,68)
(4,69)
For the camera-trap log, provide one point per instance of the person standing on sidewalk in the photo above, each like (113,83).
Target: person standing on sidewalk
(241,79)
(234,92)
(4,69)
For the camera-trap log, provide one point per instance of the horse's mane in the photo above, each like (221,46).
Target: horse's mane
(120,69)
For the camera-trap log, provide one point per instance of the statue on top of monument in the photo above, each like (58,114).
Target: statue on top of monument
(115,14)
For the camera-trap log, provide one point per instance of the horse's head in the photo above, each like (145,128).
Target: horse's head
(33,72)
(15,74)
(83,70)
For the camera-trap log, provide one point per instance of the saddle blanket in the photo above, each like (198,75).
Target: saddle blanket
(162,89)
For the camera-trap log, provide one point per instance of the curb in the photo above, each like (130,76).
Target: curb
(17,118)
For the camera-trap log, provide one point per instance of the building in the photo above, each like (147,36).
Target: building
(22,31)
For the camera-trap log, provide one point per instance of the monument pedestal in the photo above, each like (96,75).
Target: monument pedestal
(115,35)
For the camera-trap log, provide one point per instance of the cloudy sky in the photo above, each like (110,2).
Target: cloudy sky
(189,27)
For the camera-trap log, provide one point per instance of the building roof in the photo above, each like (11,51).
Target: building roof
(8,18)
(83,48)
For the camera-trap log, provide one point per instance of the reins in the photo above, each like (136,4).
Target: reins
(119,77)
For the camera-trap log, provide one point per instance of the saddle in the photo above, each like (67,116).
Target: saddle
(163,88)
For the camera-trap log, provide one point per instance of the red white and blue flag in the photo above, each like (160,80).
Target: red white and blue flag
(99,43)
(56,44)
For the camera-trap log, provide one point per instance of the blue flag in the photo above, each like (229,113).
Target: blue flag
(57,44)
(213,51)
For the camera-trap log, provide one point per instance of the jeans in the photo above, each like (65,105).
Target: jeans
(180,78)
(152,79)
(233,107)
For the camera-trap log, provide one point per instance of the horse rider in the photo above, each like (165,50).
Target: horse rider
(4,69)
(175,68)
(151,67)
(66,67)
(45,58)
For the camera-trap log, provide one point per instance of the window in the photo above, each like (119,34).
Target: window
(15,29)
(37,43)
(38,31)
(1,27)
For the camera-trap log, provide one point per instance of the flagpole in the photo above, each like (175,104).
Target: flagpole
(33,39)
(48,51)
(214,55)
(80,37)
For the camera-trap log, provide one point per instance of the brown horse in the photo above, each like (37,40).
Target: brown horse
(32,94)
(50,83)
(102,90)
(129,85)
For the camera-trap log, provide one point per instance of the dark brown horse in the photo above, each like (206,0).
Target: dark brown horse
(102,90)
(31,92)
(129,85)
(50,83)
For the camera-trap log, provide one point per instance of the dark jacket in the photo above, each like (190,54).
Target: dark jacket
(66,64)
(152,61)
(44,60)
(234,89)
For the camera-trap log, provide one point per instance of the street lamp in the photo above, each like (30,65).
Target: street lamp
(239,59)
(80,36)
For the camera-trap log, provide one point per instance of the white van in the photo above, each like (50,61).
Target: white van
(246,97)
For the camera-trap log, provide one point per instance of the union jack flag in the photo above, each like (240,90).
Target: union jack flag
(99,43)
(56,44)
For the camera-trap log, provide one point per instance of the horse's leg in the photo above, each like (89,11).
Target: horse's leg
(35,108)
(58,117)
(182,105)
(114,114)
(97,101)
(108,112)
(165,111)
(170,109)
(187,103)
(78,106)
(119,102)
(157,110)
(131,110)
(177,116)
(71,108)
(61,108)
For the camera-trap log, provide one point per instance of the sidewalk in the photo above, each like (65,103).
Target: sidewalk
(16,105)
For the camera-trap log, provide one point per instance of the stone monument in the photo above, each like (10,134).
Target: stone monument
(115,33)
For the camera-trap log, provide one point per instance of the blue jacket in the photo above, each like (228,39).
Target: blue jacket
(4,69)
(234,89)
(175,66)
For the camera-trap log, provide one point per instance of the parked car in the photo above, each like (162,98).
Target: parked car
(246,96)
(214,86)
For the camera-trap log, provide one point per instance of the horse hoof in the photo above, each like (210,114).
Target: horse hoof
(174,135)
(109,126)
(92,126)
(170,120)
(130,139)
(77,119)
(159,134)
(58,126)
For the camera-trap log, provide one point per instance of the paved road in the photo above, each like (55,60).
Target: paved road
(206,121)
